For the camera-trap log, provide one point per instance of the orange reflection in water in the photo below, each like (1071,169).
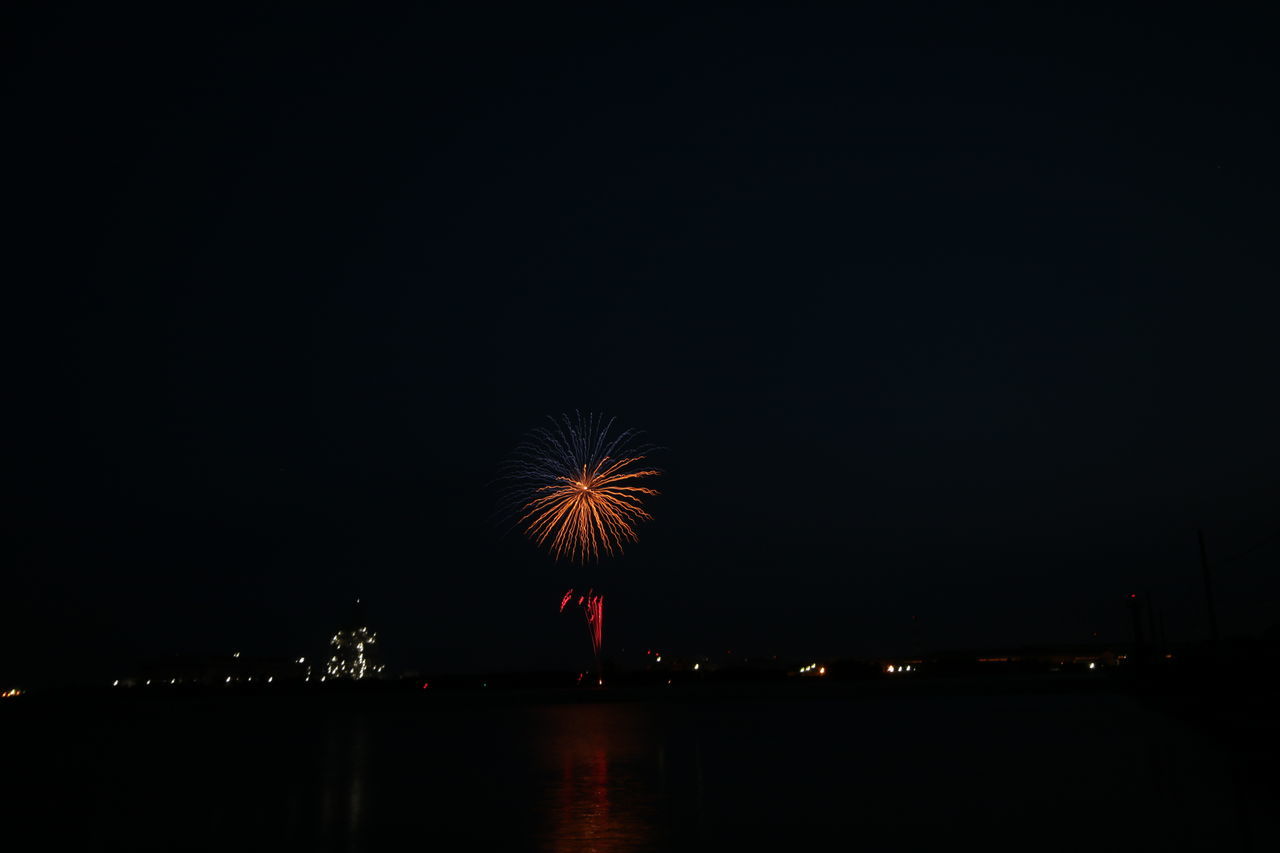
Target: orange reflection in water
(603,778)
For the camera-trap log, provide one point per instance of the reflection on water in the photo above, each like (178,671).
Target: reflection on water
(605,794)
(1048,771)
(345,767)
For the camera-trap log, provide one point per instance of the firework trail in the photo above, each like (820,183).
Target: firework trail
(593,605)
(593,608)
(574,489)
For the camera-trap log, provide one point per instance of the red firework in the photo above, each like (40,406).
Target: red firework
(593,609)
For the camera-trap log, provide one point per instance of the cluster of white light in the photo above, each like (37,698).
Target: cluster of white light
(901,668)
(11,693)
(822,670)
(349,659)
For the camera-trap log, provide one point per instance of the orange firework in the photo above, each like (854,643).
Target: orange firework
(576,490)
(590,511)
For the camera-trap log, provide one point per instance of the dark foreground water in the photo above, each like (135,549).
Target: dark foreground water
(1062,771)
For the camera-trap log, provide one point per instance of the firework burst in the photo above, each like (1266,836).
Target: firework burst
(592,605)
(575,490)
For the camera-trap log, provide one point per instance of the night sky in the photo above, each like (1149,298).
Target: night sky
(954,326)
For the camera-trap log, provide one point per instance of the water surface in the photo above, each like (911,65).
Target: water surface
(1059,771)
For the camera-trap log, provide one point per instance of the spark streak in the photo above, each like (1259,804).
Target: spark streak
(593,609)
